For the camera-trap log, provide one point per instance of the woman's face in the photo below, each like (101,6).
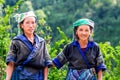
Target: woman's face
(83,32)
(29,25)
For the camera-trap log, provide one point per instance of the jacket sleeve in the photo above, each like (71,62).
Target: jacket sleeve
(61,58)
(100,61)
(11,56)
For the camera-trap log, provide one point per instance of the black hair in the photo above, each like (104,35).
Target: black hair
(74,35)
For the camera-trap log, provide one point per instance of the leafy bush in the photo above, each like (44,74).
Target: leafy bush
(111,57)
(5,36)
(55,48)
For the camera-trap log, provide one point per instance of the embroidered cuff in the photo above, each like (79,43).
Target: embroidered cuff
(101,67)
(57,63)
(48,63)
(10,59)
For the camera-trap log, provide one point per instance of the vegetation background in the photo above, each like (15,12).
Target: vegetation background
(55,18)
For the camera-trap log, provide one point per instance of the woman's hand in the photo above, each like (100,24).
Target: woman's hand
(100,75)
(45,73)
(9,70)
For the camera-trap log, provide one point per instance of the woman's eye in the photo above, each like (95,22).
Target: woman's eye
(80,29)
(86,30)
(33,22)
(26,22)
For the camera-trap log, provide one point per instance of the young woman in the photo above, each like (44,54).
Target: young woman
(27,58)
(83,54)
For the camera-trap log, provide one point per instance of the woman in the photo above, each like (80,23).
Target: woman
(83,54)
(27,58)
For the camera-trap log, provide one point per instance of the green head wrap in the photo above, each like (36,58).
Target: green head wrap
(83,22)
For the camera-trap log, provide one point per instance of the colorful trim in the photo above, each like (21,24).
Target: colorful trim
(10,59)
(90,43)
(48,63)
(84,74)
(101,67)
(23,38)
(57,63)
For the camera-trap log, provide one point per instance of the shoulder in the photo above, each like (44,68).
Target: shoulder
(96,44)
(16,37)
(68,46)
(15,42)
(19,37)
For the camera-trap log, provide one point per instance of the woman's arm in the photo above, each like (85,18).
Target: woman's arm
(45,73)
(100,67)
(9,70)
(99,75)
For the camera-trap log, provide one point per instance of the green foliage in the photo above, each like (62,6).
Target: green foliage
(26,6)
(63,13)
(4,43)
(55,74)
(5,38)
(44,30)
(111,57)
(56,47)
(2,69)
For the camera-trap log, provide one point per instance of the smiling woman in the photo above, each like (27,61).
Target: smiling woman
(84,56)
(28,57)
(83,32)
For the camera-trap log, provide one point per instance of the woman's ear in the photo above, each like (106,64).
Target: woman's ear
(21,26)
(76,32)
(91,31)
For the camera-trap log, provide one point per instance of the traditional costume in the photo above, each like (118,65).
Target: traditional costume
(83,63)
(29,59)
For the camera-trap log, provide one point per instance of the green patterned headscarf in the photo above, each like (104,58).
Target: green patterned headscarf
(22,16)
(83,22)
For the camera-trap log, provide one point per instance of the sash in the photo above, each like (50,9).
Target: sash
(33,50)
(92,70)
(83,55)
(84,74)
(23,73)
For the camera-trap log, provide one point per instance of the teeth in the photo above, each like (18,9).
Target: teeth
(83,36)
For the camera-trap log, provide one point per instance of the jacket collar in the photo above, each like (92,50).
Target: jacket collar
(90,43)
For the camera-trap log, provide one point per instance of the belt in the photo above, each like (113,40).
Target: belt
(92,70)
